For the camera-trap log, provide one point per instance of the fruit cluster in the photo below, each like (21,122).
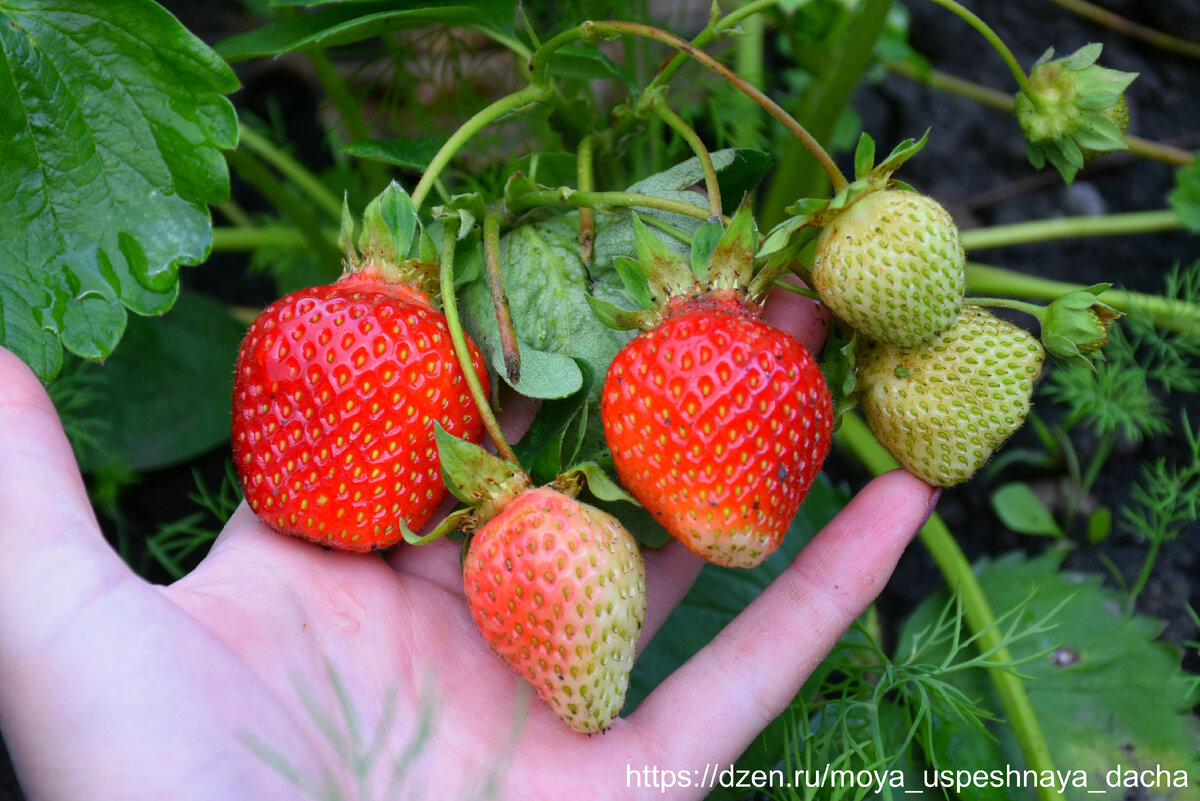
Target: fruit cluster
(353,414)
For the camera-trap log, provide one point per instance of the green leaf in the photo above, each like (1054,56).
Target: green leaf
(415,153)
(1022,511)
(731,264)
(112,124)
(350,22)
(666,273)
(156,414)
(633,278)
(1106,692)
(540,450)
(587,61)
(473,475)
(601,485)
(703,244)
(864,156)
(1185,197)
(548,286)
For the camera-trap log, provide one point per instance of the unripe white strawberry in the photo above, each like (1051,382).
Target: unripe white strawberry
(892,267)
(943,408)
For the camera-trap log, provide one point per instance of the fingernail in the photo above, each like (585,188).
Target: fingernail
(933,502)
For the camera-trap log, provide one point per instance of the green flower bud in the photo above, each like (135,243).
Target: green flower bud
(1076,325)
(1074,111)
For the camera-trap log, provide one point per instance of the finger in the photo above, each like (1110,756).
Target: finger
(670,572)
(804,318)
(747,675)
(52,553)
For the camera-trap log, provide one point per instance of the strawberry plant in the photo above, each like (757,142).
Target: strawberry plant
(356,236)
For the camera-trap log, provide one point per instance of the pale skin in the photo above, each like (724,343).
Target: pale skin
(114,688)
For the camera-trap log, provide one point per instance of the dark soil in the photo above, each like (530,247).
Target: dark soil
(975,164)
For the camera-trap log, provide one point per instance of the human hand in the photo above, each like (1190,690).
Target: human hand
(361,674)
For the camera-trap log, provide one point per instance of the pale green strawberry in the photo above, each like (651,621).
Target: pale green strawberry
(943,408)
(891,266)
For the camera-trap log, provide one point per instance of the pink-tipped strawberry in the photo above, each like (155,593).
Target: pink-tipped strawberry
(336,392)
(943,408)
(891,266)
(558,589)
(718,422)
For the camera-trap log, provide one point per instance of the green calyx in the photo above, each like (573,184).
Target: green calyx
(1074,110)
(1075,326)
(392,243)
(809,215)
(722,258)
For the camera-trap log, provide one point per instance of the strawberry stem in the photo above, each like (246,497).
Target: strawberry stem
(491,255)
(950,559)
(585,160)
(450,308)
(534,93)
(689,135)
(996,42)
(565,196)
(591,31)
(1009,303)
(1175,315)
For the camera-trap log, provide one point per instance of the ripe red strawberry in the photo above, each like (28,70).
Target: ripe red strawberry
(335,395)
(718,424)
(558,588)
(892,267)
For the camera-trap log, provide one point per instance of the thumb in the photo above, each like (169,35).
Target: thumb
(52,553)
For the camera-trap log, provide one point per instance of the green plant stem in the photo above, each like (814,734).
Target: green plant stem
(1161,40)
(491,253)
(530,94)
(1008,303)
(230,239)
(585,177)
(1175,315)
(940,542)
(676,123)
(293,170)
(1126,224)
(837,69)
(590,31)
(262,179)
(710,33)
(1144,573)
(348,108)
(996,42)
(458,338)
(1146,148)
(565,196)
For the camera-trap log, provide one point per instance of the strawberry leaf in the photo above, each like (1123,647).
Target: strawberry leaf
(112,124)
(1105,691)
(473,475)
(414,154)
(349,22)
(1185,197)
(548,288)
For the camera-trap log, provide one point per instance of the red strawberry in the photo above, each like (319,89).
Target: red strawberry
(558,588)
(718,424)
(335,395)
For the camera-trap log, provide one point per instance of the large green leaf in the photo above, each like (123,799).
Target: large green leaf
(165,393)
(111,126)
(1107,693)
(349,22)
(547,286)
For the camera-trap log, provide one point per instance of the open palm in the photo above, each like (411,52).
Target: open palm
(277,668)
